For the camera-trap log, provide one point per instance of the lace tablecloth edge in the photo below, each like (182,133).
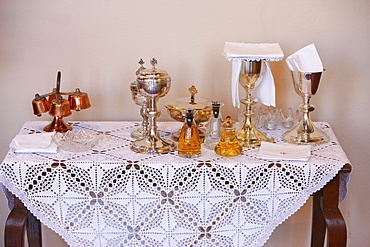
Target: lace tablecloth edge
(302,201)
(9,186)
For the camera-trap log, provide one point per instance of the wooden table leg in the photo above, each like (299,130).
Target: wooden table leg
(326,215)
(33,231)
(20,220)
(318,222)
(15,225)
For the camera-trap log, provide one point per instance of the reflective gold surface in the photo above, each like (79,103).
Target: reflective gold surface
(202,111)
(250,76)
(189,145)
(229,146)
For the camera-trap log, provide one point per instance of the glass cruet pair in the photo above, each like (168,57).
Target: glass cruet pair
(220,135)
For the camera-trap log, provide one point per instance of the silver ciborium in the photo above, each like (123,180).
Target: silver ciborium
(250,76)
(305,85)
(152,84)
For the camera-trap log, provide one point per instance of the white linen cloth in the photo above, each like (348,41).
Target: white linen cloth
(34,143)
(237,52)
(111,196)
(284,151)
(305,60)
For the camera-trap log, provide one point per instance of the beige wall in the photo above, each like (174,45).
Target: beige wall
(97,44)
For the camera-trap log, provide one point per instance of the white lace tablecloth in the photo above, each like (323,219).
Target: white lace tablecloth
(111,196)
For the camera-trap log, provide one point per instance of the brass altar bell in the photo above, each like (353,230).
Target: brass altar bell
(58,107)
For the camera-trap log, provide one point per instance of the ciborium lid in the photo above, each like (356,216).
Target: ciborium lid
(152,73)
(196,103)
(153,82)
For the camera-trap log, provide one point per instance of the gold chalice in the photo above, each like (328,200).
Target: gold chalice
(250,76)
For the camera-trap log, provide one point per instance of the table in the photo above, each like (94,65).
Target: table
(111,196)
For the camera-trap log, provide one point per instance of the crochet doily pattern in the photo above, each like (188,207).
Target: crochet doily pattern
(111,196)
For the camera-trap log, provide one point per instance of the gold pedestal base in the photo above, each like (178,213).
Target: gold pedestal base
(251,137)
(57,125)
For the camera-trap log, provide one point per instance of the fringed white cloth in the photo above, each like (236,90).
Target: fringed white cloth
(239,52)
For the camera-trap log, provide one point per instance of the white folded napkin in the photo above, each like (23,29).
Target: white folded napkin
(237,52)
(305,60)
(284,151)
(34,143)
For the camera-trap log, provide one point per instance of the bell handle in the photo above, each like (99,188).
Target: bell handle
(59,77)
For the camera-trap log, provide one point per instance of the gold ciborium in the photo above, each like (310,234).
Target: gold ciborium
(250,76)
(305,85)
(152,84)
(58,107)
(202,111)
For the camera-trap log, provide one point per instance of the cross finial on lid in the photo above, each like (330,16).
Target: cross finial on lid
(153,62)
(192,91)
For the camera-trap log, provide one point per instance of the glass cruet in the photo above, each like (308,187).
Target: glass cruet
(213,131)
(189,141)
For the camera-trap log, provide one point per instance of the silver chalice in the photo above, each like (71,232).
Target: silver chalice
(305,132)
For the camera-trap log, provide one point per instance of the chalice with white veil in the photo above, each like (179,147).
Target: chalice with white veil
(251,69)
(251,73)
(306,69)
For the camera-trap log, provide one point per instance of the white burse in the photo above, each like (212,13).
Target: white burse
(237,52)
(284,151)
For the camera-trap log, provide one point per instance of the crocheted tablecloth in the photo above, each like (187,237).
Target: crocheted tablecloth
(111,196)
